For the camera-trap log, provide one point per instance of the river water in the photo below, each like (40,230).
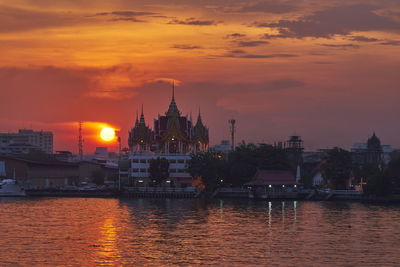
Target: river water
(113,232)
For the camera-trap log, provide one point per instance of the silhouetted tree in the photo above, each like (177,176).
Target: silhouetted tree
(336,167)
(210,166)
(247,158)
(159,170)
(393,172)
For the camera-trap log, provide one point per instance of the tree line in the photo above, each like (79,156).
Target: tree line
(239,166)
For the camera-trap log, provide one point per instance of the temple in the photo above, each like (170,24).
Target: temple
(172,134)
(173,137)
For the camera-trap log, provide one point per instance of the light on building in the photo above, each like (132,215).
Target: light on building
(270,186)
(168,181)
(283,185)
(295,186)
(222,180)
(140,181)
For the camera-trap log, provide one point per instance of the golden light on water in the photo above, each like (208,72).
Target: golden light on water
(107,134)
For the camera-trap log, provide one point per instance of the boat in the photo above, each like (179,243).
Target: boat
(10,188)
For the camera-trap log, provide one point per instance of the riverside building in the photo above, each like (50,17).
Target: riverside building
(25,141)
(173,137)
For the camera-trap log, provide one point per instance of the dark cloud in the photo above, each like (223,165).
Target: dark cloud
(193,21)
(251,43)
(235,35)
(340,20)
(126,13)
(255,56)
(341,46)
(17,19)
(268,56)
(270,6)
(391,42)
(186,47)
(127,19)
(274,36)
(237,51)
(363,39)
(324,62)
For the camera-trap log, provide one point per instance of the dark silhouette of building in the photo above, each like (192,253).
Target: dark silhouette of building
(172,133)
(294,147)
(368,153)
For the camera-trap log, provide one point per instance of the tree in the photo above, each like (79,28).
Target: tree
(337,167)
(97,177)
(210,166)
(379,184)
(159,170)
(247,158)
(393,172)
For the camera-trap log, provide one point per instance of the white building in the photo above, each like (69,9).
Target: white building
(178,168)
(25,141)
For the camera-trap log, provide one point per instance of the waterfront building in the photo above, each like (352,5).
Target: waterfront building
(371,152)
(224,147)
(294,148)
(50,173)
(25,141)
(174,137)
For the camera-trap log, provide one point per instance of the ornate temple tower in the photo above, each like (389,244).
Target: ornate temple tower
(140,136)
(172,134)
(176,138)
(200,135)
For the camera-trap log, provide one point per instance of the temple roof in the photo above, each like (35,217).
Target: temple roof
(173,110)
(199,122)
(142,121)
(200,132)
(137,120)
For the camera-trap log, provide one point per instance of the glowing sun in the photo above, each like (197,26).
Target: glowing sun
(107,134)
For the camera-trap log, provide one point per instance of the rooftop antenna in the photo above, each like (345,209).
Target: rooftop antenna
(80,141)
(232,130)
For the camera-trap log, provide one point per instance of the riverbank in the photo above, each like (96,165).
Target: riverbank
(221,193)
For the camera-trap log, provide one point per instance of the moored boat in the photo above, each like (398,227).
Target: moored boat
(10,188)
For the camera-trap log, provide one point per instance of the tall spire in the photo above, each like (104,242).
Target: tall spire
(142,117)
(137,120)
(173,110)
(173,90)
(199,121)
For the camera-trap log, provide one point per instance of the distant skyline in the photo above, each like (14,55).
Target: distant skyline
(325,70)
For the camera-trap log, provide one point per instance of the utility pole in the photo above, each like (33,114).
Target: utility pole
(232,130)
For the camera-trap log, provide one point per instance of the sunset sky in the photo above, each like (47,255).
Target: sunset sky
(326,70)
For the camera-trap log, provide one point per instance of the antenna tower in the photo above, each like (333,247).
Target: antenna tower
(80,141)
(232,130)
